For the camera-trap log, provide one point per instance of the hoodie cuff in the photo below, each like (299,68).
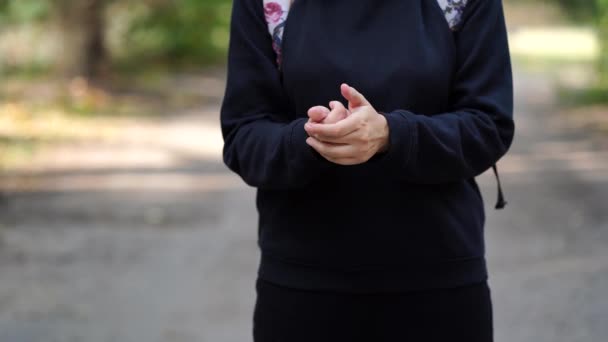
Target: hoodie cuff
(401,141)
(303,156)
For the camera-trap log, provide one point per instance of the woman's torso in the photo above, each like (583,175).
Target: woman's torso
(357,227)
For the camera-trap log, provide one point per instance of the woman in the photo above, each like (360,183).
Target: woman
(370,219)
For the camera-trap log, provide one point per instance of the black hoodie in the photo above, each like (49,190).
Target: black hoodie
(409,218)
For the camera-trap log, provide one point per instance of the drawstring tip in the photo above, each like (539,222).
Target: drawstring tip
(500,204)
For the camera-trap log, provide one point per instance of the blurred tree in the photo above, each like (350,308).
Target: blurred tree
(169,32)
(83,26)
(82,30)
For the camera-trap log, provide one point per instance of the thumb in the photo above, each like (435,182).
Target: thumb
(355,98)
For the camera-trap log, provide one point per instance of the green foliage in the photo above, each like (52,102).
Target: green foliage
(19,11)
(180,31)
(603,36)
(155,32)
(586,96)
(579,9)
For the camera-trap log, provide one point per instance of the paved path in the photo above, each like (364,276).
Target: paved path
(153,240)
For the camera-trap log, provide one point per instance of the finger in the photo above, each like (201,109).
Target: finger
(335,151)
(343,161)
(338,112)
(354,97)
(335,130)
(318,113)
(350,138)
(336,105)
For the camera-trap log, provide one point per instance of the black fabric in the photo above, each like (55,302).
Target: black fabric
(408,213)
(461,314)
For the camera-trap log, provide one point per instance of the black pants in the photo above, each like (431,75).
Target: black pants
(290,315)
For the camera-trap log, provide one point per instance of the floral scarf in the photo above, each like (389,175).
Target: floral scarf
(276,12)
(452,9)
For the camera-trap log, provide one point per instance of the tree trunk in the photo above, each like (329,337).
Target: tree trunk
(82,26)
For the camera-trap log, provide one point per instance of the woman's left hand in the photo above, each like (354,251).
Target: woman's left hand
(355,139)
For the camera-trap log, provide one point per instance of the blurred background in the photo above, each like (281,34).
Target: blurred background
(119,222)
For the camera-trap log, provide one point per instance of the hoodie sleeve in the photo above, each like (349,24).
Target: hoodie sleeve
(263,142)
(478,128)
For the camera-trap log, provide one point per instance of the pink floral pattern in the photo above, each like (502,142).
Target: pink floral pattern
(276,12)
(273,12)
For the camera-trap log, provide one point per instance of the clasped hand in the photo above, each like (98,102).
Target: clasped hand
(347,136)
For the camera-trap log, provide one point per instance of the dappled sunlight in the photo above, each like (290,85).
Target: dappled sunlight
(147,182)
(161,146)
(19,120)
(87,142)
(558,43)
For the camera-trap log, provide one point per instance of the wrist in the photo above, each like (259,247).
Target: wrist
(384,141)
